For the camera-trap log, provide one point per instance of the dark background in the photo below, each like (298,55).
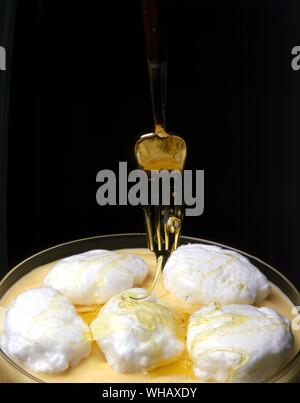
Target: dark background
(79,99)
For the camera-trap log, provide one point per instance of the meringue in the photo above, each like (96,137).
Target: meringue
(137,335)
(42,330)
(238,343)
(95,276)
(203,274)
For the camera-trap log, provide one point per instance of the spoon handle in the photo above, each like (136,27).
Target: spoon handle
(155,15)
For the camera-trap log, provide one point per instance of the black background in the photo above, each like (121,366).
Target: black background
(80,99)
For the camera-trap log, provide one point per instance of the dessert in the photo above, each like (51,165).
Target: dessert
(137,335)
(42,330)
(95,276)
(204,274)
(95,367)
(239,343)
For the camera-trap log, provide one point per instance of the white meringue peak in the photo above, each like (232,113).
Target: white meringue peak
(95,276)
(137,335)
(42,330)
(238,343)
(203,274)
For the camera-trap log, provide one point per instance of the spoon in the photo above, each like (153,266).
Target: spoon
(159,150)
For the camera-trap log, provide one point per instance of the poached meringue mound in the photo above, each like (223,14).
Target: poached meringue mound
(203,274)
(238,343)
(95,276)
(42,330)
(137,335)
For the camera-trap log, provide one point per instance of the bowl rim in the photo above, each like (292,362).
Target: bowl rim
(269,379)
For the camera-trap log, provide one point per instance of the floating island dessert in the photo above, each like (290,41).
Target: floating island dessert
(214,318)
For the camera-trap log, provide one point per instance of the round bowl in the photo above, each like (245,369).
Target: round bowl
(12,372)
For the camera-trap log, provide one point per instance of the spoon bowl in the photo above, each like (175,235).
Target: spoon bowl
(160,150)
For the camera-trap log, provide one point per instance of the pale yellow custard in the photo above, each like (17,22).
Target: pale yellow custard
(95,368)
